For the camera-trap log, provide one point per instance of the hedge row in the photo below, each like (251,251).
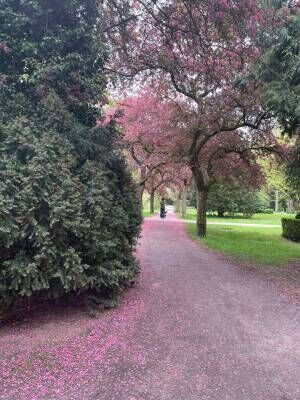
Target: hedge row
(291,229)
(69,215)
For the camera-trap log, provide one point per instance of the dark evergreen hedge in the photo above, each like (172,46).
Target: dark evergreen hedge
(291,229)
(69,214)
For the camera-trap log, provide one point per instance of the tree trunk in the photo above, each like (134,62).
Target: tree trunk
(152,202)
(141,189)
(183,202)
(220,213)
(201,212)
(178,203)
(276,200)
(201,179)
(290,206)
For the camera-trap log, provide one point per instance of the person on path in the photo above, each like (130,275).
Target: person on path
(163,208)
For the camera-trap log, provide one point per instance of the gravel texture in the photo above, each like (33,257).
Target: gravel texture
(194,327)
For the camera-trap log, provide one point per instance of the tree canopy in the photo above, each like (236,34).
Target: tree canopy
(200,56)
(280,70)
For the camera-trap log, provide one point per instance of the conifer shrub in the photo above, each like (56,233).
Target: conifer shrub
(69,214)
(69,222)
(291,229)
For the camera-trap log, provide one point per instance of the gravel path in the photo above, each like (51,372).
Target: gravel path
(193,328)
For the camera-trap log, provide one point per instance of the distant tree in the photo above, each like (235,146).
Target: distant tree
(277,186)
(235,198)
(151,140)
(169,177)
(279,68)
(293,173)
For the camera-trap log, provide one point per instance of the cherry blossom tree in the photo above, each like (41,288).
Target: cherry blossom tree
(199,54)
(155,138)
(172,177)
(147,136)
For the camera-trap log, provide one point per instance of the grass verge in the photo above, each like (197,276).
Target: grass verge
(268,219)
(147,213)
(250,244)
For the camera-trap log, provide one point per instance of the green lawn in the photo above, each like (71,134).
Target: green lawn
(147,213)
(269,219)
(253,244)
